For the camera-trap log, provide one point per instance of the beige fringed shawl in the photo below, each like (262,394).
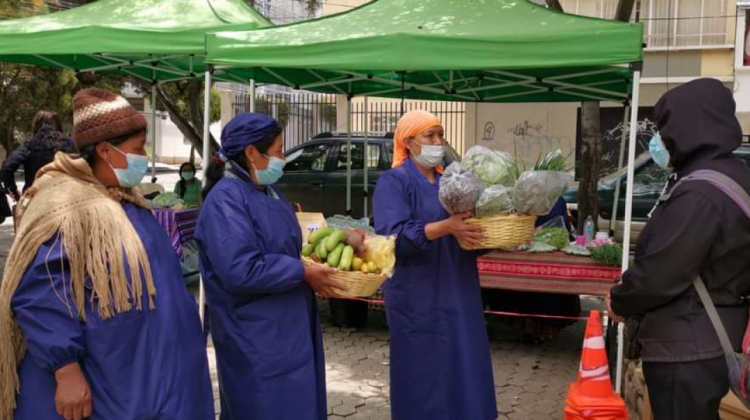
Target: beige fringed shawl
(95,231)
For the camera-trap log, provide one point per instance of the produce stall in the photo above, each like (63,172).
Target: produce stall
(448,51)
(554,272)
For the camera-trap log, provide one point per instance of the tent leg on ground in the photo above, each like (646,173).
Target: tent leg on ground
(628,212)
(204,165)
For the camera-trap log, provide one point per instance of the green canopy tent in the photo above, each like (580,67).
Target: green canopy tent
(152,40)
(451,50)
(158,41)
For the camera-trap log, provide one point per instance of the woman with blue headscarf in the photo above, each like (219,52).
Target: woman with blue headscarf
(263,312)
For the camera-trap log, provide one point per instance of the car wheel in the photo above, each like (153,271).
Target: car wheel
(348,313)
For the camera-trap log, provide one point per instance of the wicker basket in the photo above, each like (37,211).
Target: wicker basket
(504,231)
(358,284)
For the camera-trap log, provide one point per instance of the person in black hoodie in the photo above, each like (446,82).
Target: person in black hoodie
(698,231)
(36,152)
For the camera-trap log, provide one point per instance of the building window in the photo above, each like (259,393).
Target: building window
(669,23)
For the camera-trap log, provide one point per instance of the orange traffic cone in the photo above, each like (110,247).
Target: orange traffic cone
(592,398)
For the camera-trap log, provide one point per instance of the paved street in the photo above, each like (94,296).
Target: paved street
(531,380)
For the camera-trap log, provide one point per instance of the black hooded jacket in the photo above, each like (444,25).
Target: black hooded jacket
(698,231)
(34,154)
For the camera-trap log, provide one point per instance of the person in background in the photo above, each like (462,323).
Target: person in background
(440,354)
(261,298)
(95,321)
(698,231)
(36,152)
(189,187)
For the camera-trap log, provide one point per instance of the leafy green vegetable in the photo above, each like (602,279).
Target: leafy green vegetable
(539,247)
(494,201)
(491,166)
(552,161)
(577,250)
(554,236)
(607,254)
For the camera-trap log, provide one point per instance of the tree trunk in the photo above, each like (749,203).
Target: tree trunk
(194,136)
(624,10)
(554,5)
(591,145)
(591,155)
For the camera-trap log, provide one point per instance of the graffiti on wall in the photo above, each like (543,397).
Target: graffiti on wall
(612,134)
(527,140)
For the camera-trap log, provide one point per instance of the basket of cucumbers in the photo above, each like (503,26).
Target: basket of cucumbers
(363,262)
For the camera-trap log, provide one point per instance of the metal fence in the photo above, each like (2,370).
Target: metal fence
(305,115)
(383,115)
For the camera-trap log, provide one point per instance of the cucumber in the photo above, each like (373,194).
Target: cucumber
(335,256)
(318,235)
(307,250)
(334,238)
(346,258)
(321,251)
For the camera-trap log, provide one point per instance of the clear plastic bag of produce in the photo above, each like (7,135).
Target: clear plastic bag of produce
(554,233)
(537,247)
(536,192)
(495,201)
(459,189)
(346,222)
(578,250)
(491,166)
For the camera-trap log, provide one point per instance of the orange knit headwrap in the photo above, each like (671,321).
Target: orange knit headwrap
(411,124)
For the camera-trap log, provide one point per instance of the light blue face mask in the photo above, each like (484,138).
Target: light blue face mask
(188,176)
(272,173)
(659,152)
(132,175)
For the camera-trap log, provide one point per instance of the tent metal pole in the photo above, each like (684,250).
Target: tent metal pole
(204,168)
(628,211)
(349,155)
(403,93)
(621,158)
(252,95)
(367,162)
(152,124)
(585,88)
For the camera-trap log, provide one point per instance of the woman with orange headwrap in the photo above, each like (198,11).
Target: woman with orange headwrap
(440,356)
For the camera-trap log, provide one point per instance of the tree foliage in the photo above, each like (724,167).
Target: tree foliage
(26,89)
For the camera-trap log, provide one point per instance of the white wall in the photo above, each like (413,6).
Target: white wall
(171,147)
(526,129)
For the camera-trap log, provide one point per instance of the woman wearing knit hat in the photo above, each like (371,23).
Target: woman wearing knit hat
(83,333)
(264,317)
(433,302)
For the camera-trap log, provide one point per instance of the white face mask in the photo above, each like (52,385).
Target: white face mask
(430,156)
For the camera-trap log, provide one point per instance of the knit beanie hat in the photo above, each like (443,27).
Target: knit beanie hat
(100,115)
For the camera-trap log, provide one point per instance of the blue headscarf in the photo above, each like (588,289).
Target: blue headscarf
(245,130)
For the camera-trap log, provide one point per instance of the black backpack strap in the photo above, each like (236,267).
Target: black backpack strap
(738,194)
(726,184)
(721,332)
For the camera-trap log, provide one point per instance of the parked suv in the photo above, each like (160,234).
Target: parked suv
(317,178)
(648,182)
